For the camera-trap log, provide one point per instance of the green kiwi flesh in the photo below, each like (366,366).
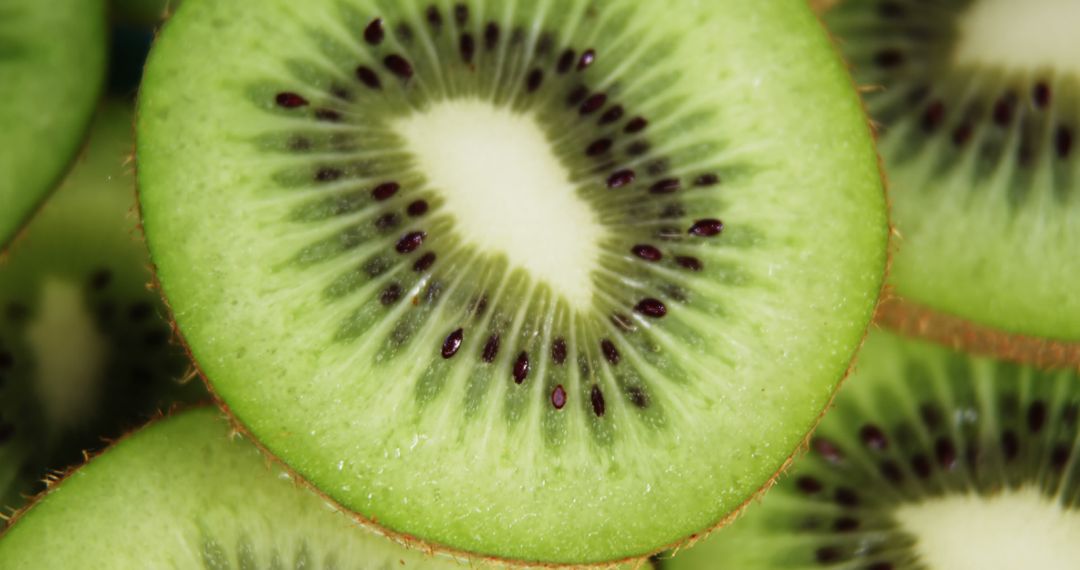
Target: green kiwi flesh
(507,277)
(183,493)
(931,459)
(52,64)
(979,107)
(85,351)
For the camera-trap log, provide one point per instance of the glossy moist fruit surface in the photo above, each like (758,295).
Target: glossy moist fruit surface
(85,350)
(979,112)
(561,281)
(184,493)
(52,67)
(931,459)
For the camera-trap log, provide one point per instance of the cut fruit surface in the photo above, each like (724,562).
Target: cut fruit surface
(980,111)
(85,351)
(931,459)
(52,64)
(504,278)
(184,493)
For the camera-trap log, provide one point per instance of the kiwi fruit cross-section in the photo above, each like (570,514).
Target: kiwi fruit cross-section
(560,281)
(85,350)
(979,107)
(931,460)
(183,494)
(52,64)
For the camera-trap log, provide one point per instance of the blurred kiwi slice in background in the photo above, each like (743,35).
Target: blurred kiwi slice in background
(505,277)
(932,459)
(185,493)
(52,67)
(978,103)
(86,352)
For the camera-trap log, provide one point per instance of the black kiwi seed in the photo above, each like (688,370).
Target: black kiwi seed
(873,437)
(889,58)
(425,262)
(651,308)
(1063,142)
(809,485)
(385,191)
(558,397)
(558,351)
(534,80)
(409,242)
(434,17)
(621,178)
(566,61)
(491,348)
(328,115)
(593,103)
(391,294)
(368,77)
(452,343)
(373,33)
(945,452)
(398,65)
(707,180)
(846,497)
(610,352)
(691,263)
(611,115)
(1010,445)
(521,367)
(636,125)
(934,116)
(647,252)
(467,47)
(587,58)
(1041,95)
(417,208)
(577,95)
(100,279)
(666,186)
(491,36)
(597,399)
(461,14)
(706,228)
(598,147)
(290,100)
(1036,416)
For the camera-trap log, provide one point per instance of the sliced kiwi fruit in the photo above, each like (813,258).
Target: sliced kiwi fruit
(979,107)
(52,64)
(932,459)
(85,349)
(183,494)
(440,258)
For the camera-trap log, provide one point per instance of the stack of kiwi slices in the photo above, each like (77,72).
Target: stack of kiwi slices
(52,67)
(978,103)
(559,282)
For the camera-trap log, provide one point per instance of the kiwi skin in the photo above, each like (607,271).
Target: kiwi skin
(911,319)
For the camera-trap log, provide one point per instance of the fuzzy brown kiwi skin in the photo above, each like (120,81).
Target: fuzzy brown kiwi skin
(914,320)
(645,561)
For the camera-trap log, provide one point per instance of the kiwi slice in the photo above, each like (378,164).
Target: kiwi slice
(505,277)
(932,459)
(979,118)
(52,62)
(85,350)
(183,494)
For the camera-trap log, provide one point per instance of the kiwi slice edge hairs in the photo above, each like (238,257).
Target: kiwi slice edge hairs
(369,339)
(923,443)
(86,352)
(203,498)
(979,109)
(46,117)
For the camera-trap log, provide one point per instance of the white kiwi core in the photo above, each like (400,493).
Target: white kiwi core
(508,192)
(1015,529)
(69,352)
(1020,35)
